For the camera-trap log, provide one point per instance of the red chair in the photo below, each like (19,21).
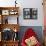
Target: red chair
(29,33)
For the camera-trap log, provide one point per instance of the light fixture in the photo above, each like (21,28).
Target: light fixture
(15,3)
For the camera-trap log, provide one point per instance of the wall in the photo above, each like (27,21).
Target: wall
(27,4)
(7,3)
(31,4)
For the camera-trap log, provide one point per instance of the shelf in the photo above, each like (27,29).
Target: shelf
(11,41)
(10,26)
(5,12)
(9,22)
(9,10)
(4,8)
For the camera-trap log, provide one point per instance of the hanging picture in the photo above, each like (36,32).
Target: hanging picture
(30,13)
(5,12)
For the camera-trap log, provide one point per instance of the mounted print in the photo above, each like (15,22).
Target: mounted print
(5,12)
(30,13)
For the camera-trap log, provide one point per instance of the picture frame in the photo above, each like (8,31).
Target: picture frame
(5,12)
(30,13)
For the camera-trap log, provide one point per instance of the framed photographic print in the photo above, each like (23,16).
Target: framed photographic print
(30,13)
(5,12)
(34,13)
